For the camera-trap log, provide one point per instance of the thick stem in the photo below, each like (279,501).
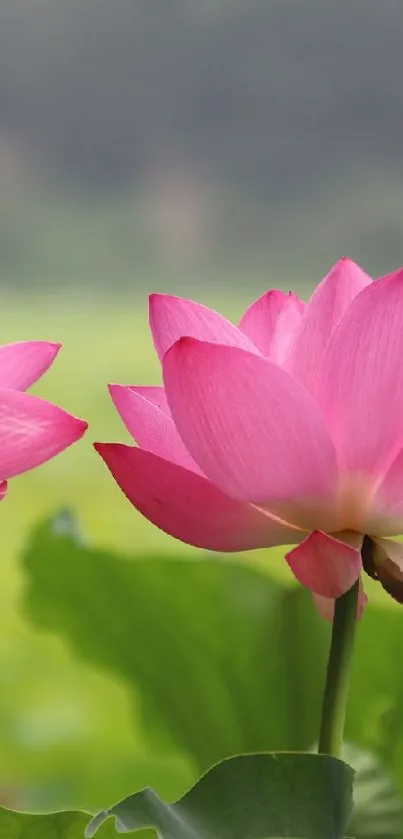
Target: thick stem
(338,673)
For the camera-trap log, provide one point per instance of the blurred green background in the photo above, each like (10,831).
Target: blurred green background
(210,149)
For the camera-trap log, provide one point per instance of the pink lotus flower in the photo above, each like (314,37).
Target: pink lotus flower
(287,429)
(32,430)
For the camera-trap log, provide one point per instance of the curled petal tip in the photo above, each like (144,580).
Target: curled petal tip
(53,347)
(57,346)
(187,341)
(114,388)
(153,299)
(100,447)
(33,431)
(22,363)
(78,427)
(181,344)
(116,392)
(82,424)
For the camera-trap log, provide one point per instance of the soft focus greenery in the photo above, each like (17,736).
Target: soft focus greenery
(208,652)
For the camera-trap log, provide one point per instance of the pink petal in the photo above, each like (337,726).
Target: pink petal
(127,397)
(325,605)
(323,313)
(21,364)
(272,323)
(325,565)
(32,431)
(255,432)
(146,414)
(360,387)
(3,489)
(188,506)
(172,318)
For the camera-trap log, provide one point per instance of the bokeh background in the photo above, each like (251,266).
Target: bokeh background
(210,148)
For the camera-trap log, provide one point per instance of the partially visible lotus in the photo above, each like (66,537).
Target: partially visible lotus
(287,429)
(32,430)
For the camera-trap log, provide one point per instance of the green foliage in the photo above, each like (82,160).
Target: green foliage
(378,808)
(55,826)
(249,797)
(219,659)
(222,659)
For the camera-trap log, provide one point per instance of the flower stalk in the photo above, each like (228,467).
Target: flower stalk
(339,673)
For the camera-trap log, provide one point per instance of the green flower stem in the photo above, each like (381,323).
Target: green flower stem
(338,673)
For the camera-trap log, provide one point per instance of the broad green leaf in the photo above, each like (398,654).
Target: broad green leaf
(54,826)
(222,659)
(67,825)
(249,797)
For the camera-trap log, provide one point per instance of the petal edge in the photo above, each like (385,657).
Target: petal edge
(188,506)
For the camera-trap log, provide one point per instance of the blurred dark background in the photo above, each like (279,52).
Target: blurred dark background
(263,137)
